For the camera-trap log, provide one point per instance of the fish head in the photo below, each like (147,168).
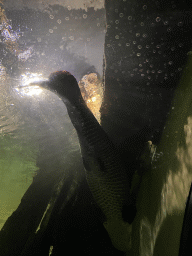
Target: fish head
(64,84)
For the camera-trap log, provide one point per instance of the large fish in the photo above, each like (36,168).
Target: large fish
(105,172)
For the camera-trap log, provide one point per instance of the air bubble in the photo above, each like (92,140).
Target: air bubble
(71,37)
(159,71)
(59,21)
(121,15)
(134,42)
(139,46)
(130,18)
(108,26)
(138,54)
(51,16)
(147,46)
(84,16)
(137,34)
(50,30)
(142,24)
(67,18)
(158,19)
(144,7)
(117,22)
(180,24)
(127,44)
(116,37)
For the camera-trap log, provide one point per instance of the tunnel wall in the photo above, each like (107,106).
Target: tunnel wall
(147,79)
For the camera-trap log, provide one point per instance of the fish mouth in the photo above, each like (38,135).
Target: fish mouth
(43,84)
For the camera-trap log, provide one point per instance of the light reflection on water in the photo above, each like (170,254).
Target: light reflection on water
(173,195)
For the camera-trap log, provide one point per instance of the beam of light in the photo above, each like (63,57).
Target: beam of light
(26,80)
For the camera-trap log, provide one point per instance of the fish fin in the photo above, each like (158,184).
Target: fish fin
(119,233)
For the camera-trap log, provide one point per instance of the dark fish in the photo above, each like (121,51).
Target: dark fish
(105,172)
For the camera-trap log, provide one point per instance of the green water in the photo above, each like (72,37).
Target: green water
(35,133)
(17,168)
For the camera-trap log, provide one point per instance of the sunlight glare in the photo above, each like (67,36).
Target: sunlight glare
(26,80)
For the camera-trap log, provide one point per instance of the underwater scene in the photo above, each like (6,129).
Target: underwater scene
(95,127)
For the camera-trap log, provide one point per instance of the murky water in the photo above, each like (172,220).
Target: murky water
(33,126)
(36,132)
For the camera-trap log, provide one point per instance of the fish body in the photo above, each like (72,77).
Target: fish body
(105,172)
